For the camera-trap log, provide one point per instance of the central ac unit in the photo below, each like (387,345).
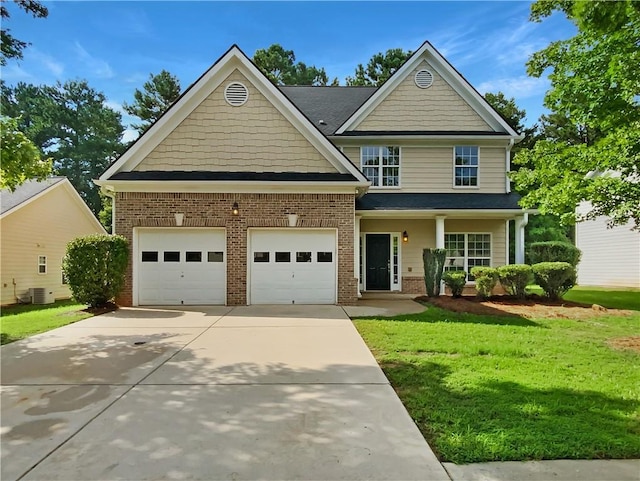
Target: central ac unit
(41,295)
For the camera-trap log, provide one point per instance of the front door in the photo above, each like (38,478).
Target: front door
(378,262)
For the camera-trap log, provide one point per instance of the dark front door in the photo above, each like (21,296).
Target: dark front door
(378,262)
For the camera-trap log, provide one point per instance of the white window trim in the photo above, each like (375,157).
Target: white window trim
(466,249)
(42,264)
(465,187)
(62,276)
(381,166)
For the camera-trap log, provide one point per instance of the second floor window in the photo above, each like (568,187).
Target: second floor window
(465,166)
(381,165)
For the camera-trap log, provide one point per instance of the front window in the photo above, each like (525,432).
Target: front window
(465,251)
(381,165)
(465,166)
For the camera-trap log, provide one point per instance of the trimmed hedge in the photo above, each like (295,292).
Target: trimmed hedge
(515,278)
(555,278)
(95,267)
(486,279)
(554,251)
(433,260)
(455,280)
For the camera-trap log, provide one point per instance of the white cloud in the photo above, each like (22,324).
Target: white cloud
(13,73)
(114,106)
(98,67)
(129,135)
(520,87)
(55,67)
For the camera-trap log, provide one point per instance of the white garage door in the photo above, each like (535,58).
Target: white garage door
(293,267)
(180,266)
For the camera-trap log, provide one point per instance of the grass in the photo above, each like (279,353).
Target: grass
(485,388)
(18,322)
(606,297)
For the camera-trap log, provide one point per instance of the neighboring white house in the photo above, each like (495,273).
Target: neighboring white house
(610,256)
(37,221)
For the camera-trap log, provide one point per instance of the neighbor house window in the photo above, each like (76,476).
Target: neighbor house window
(465,251)
(42,264)
(465,165)
(381,165)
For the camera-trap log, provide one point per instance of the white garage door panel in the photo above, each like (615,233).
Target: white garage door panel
(188,281)
(293,282)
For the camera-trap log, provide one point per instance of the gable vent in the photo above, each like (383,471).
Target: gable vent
(424,78)
(236,94)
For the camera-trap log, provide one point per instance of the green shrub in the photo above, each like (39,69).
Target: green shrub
(433,260)
(455,280)
(486,279)
(555,278)
(554,251)
(515,278)
(95,266)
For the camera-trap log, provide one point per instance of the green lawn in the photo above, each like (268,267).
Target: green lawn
(485,388)
(610,298)
(18,322)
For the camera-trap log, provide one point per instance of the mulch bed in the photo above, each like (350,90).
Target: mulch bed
(103,309)
(533,307)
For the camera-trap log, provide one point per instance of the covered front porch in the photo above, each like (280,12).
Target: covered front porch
(389,245)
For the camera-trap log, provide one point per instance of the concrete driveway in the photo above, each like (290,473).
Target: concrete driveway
(258,392)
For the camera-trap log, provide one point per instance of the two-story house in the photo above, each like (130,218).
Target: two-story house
(246,193)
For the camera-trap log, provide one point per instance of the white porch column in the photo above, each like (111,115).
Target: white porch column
(356,251)
(440,231)
(521,222)
(440,240)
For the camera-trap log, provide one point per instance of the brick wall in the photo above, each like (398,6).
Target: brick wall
(143,209)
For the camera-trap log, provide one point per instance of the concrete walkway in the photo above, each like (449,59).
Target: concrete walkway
(558,470)
(272,393)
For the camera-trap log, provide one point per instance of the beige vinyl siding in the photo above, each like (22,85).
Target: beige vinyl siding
(438,107)
(353,154)
(430,169)
(252,137)
(40,228)
(610,257)
(422,235)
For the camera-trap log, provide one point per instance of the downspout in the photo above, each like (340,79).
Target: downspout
(508,165)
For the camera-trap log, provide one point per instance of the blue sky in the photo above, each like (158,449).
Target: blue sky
(116,45)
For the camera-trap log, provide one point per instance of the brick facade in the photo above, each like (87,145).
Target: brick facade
(151,209)
(413,285)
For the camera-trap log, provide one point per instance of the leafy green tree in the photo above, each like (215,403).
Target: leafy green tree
(380,67)
(70,123)
(11,47)
(280,66)
(21,159)
(156,96)
(595,80)
(105,216)
(540,227)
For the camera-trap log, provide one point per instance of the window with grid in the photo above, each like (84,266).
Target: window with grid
(465,251)
(381,165)
(466,166)
(42,264)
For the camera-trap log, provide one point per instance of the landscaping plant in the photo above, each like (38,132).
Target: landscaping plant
(486,279)
(515,278)
(554,251)
(95,266)
(433,260)
(455,280)
(555,278)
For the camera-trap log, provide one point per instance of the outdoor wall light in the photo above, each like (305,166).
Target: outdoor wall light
(405,237)
(235,210)
(179,219)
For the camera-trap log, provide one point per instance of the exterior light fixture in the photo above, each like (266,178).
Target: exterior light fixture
(405,237)
(179,219)
(293,220)
(235,210)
